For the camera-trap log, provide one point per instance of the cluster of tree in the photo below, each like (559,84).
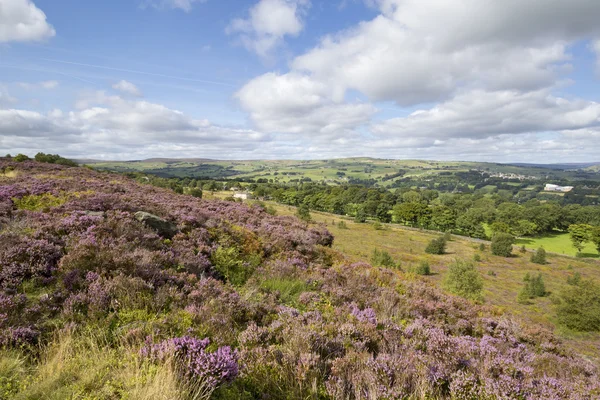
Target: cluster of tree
(533,287)
(580,234)
(45,158)
(578,304)
(461,213)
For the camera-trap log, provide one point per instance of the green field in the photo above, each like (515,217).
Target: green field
(334,171)
(558,243)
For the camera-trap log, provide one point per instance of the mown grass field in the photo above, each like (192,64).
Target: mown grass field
(558,243)
(503,277)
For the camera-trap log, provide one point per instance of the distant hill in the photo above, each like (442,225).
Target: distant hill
(562,166)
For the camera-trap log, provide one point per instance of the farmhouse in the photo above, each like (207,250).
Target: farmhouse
(555,188)
(243,196)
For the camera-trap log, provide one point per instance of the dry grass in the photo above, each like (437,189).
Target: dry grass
(500,290)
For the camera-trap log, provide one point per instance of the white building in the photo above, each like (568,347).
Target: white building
(243,196)
(555,188)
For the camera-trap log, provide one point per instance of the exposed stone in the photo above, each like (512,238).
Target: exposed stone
(162,227)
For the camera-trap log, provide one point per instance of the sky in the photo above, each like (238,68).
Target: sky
(481,80)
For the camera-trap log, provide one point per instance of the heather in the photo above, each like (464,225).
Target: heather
(235,304)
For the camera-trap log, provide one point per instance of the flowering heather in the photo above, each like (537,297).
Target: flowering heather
(203,370)
(353,331)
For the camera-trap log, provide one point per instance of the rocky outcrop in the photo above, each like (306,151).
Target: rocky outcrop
(161,226)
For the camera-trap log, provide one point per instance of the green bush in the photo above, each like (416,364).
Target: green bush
(289,289)
(533,287)
(382,259)
(436,246)
(40,202)
(230,263)
(195,192)
(539,257)
(423,269)
(21,157)
(54,159)
(578,306)
(463,279)
(303,213)
(342,225)
(476,257)
(502,244)
(481,247)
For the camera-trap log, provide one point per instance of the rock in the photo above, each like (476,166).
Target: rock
(162,227)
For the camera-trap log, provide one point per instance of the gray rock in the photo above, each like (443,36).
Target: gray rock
(94,213)
(162,227)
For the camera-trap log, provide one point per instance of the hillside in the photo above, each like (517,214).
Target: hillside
(113,289)
(336,171)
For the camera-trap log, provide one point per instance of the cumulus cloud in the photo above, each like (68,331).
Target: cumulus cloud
(5,97)
(268,23)
(185,5)
(22,21)
(111,124)
(481,114)
(126,87)
(293,103)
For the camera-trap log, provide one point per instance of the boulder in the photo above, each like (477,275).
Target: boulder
(162,227)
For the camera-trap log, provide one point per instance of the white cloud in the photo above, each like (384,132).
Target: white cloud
(185,5)
(126,87)
(47,85)
(293,103)
(5,97)
(22,21)
(481,114)
(268,23)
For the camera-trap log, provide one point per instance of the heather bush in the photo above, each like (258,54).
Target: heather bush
(84,284)
(463,279)
(502,244)
(436,246)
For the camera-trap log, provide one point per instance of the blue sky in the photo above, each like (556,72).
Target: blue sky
(450,79)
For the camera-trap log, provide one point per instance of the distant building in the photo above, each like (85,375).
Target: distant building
(555,188)
(243,196)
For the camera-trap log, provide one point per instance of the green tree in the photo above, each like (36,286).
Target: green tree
(502,244)
(21,157)
(578,306)
(436,246)
(595,237)
(411,214)
(464,280)
(382,258)
(539,257)
(579,234)
(195,192)
(303,212)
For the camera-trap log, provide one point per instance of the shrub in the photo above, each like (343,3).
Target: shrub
(195,192)
(21,157)
(378,226)
(229,263)
(447,236)
(436,246)
(476,257)
(481,247)
(502,244)
(578,306)
(303,213)
(463,279)
(533,287)
(382,259)
(423,269)
(523,249)
(539,257)
(342,225)
(42,202)
(289,289)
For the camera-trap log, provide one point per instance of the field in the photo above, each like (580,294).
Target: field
(558,243)
(336,171)
(503,277)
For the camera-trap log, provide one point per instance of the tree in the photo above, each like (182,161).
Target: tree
(539,257)
(436,246)
(463,279)
(303,212)
(579,234)
(195,192)
(578,306)
(21,157)
(411,214)
(502,244)
(595,237)
(361,215)
(382,259)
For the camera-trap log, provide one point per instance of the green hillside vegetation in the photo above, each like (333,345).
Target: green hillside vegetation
(502,277)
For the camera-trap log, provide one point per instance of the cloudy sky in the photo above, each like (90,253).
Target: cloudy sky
(488,80)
